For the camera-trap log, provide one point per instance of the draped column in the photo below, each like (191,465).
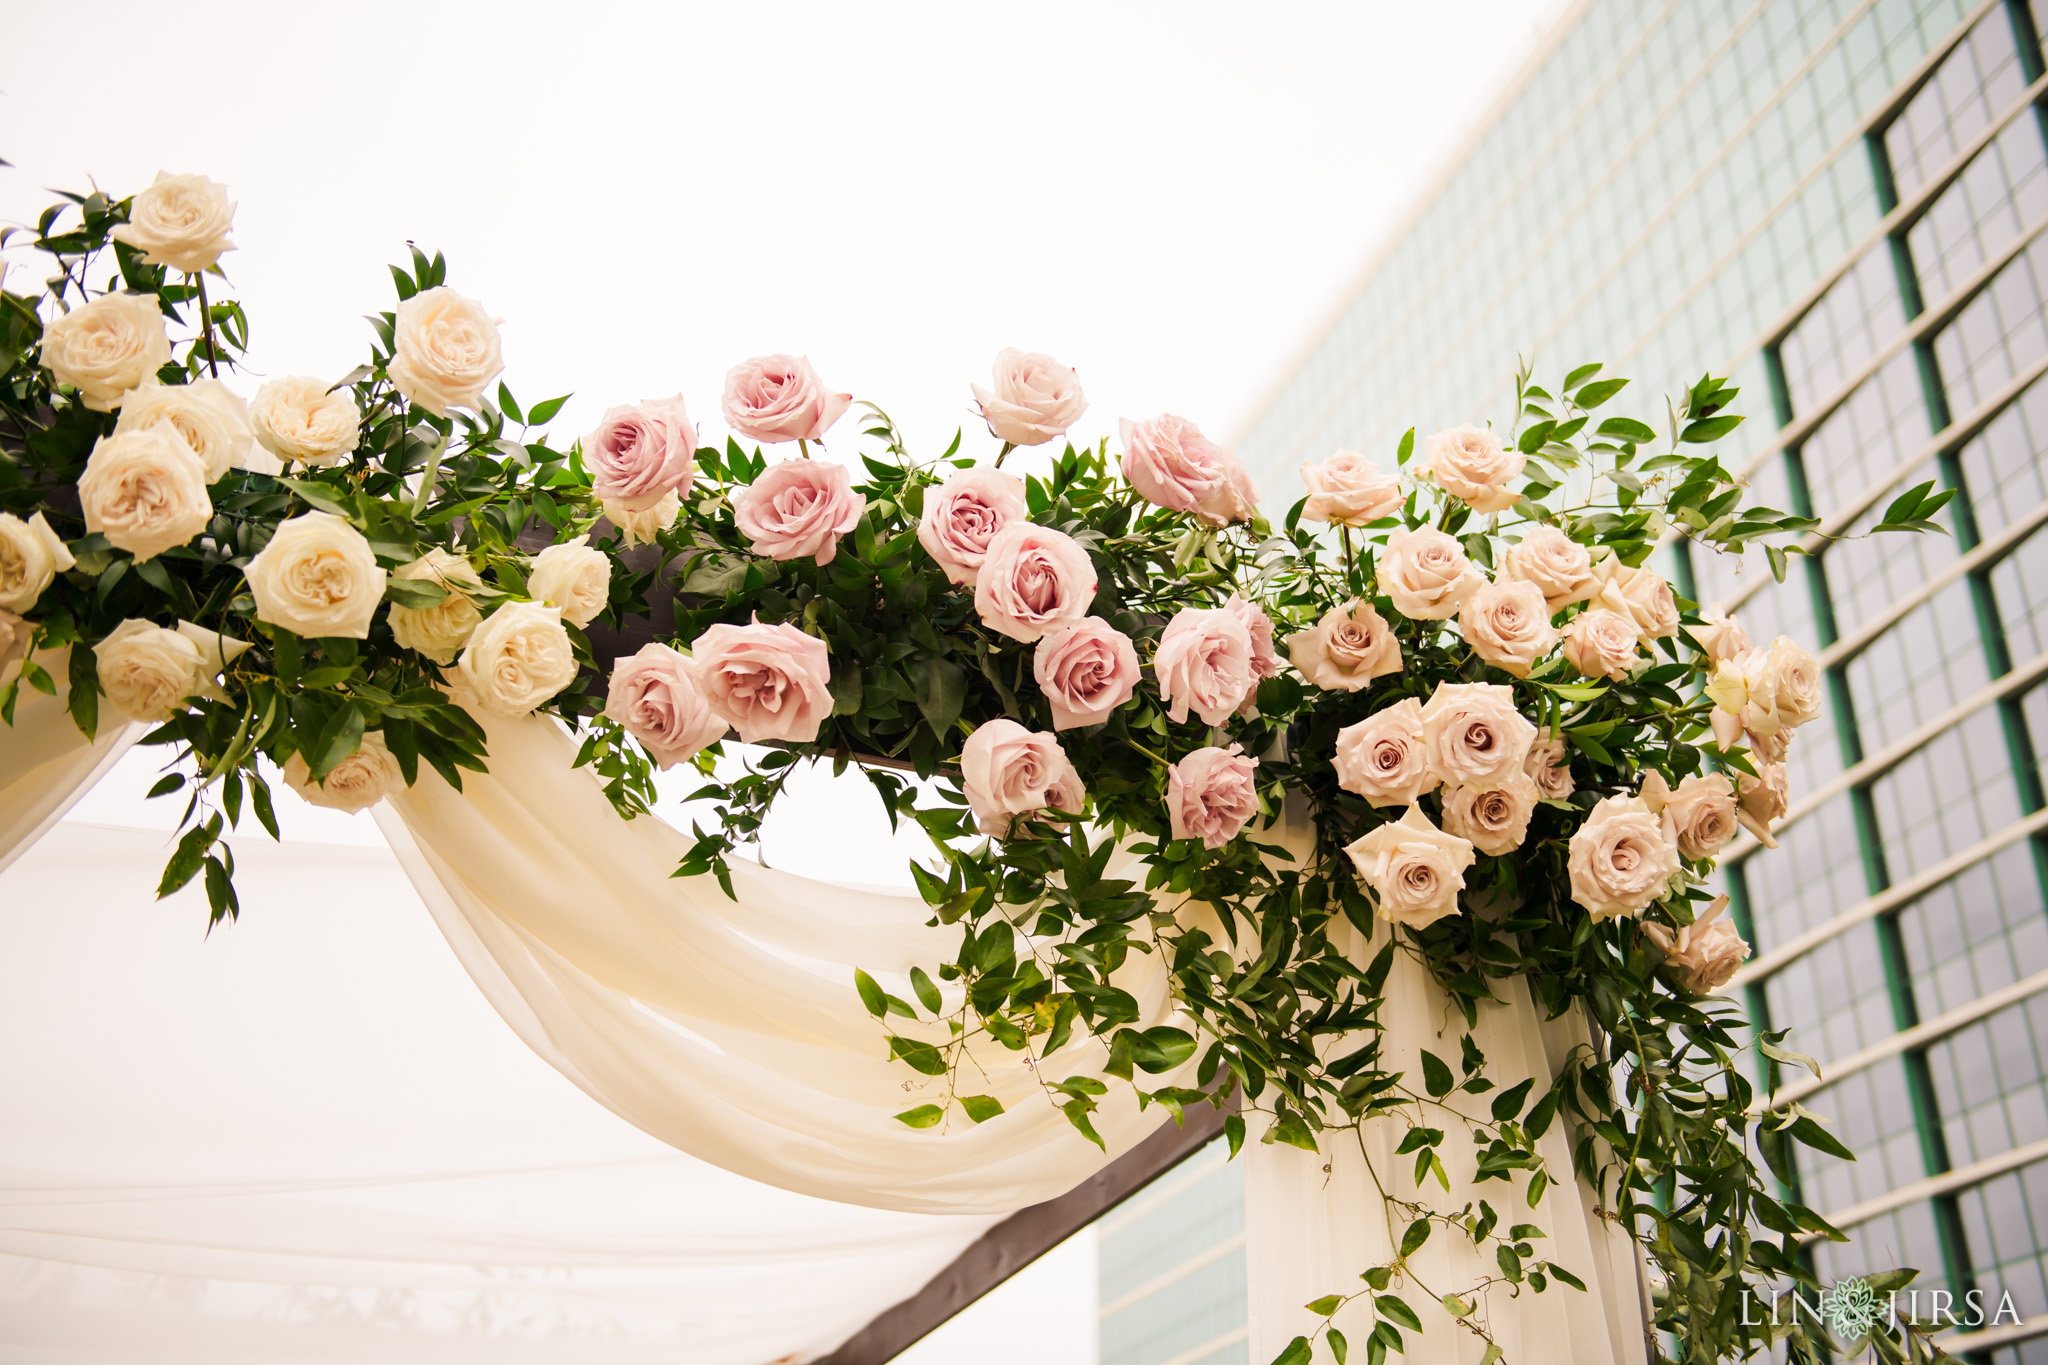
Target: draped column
(46,764)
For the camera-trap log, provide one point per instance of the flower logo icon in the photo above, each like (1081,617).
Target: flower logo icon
(1853,1308)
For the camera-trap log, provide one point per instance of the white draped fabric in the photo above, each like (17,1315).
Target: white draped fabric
(45,763)
(730,1030)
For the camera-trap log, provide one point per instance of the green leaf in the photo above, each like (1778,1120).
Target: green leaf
(1709,429)
(1457,1307)
(1436,1077)
(1414,1237)
(544,412)
(918,1056)
(1508,1103)
(1598,392)
(1164,1048)
(416,593)
(927,993)
(1297,1353)
(1339,1347)
(941,686)
(188,857)
(1406,448)
(1395,1309)
(1807,1130)
(1626,429)
(871,994)
(1326,1305)
(1580,376)
(981,1108)
(924,1116)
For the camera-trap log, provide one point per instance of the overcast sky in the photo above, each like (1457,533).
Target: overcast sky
(1165,196)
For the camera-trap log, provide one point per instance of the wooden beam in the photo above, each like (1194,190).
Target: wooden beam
(1023,1237)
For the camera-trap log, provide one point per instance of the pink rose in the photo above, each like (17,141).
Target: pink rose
(1086,671)
(1347,649)
(1415,870)
(767,682)
(1349,490)
(1549,765)
(1704,955)
(1034,400)
(1266,663)
(1427,574)
(1381,757)
(1602,644)
(1210,796)
(655,697)
(1719,635)
(1494,819)
(640,454)
(1558,565)
(1033,581)
(1508,625)
(1010,772)
(798,508)
(1204,661)
(780,398)
(962,516)
(1473,736)
(1472,465)
(1175,466)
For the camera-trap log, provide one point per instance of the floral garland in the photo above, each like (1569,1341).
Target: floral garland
(1514,741)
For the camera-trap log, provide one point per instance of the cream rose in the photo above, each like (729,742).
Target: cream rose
(1508,625)
(1719,635)
(1602,644)
(1211,795)
(1349,490)
(1793,681)
(573,577)
(107,347)
(15,637)
(181,221)
(31,557)
(1472,735)
(1010,773)
(654,695)
(1033,581)
(517,659)
(1622,858)
(147,672)
(1427,574)
(297,418)
(780,398)
(767,682)
(213,422)
(1705,954)
(641,527)
(145,491)
(439,631)
(356,783)
(317,577)
(1204,661)
(1086,671)
(447,351)
(1035,398)
(962,516)
(1763,800)
(1381,757)
(1549,766)
(1347,649)
(1472,465)
(1558,565)
(1642,595)
(1495,819)
(1702,811)
(1415,869)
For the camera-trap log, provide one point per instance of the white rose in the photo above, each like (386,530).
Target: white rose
(518,658)
(1792,679)
(446,351)
(212,420)
(573,577)
(439,631)
(1495,819)
(1719,635)
(1427,574)
(181,221)
(147,672)
(1642,595)
(145,491)
(296,418)
(31,557)
(1622,858)
(1035,398)
(642,526)
(317,577)
(107,347)
(1415,869)
(356,783)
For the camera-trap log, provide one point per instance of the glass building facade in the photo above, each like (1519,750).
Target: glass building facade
(1840,204)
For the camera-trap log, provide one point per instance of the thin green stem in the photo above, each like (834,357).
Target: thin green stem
(432,472)
(206,325)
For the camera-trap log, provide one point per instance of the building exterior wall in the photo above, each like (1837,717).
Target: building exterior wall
(1841,204)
